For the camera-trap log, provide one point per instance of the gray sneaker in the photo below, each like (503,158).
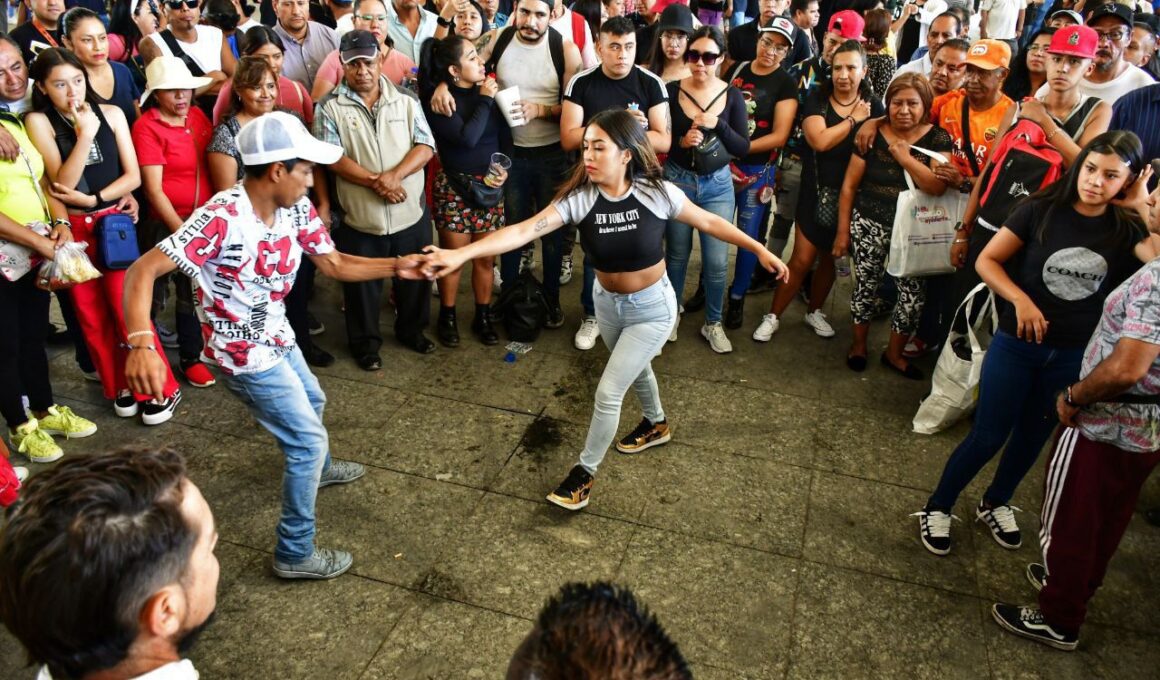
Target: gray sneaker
(323,564)
(341,472)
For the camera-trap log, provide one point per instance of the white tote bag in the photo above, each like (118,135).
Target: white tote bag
(955,383)
(924,227)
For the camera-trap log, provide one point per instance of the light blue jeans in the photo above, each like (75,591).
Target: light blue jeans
(713,193)
(288,401)
(634,327)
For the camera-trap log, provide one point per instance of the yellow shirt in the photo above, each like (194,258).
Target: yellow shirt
(19,197)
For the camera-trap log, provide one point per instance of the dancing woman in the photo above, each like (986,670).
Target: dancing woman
(620,203)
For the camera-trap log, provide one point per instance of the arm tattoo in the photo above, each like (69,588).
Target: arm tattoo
(541,224)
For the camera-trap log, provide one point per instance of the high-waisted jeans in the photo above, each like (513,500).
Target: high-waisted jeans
(713,193)
(634,327)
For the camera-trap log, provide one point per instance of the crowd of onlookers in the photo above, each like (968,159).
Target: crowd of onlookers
(790,118)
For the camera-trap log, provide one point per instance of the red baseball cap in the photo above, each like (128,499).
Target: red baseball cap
(1074,41)
(848,24)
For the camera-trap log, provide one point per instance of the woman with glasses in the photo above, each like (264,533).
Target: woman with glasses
(262,42)
(372,16)
(710,127)
(1029,71)
(771,100)
(83,32)
(667,56)
(91,163)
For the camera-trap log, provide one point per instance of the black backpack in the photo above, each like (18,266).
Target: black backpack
(524,307)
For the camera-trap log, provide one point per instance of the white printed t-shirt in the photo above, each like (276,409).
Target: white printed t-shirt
(244,270)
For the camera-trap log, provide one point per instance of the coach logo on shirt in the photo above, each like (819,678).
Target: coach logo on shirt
(1074,273)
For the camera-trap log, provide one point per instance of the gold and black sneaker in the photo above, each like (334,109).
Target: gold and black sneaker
(572,494)
(644,436)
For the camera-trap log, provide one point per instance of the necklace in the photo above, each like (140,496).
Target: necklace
(842,103)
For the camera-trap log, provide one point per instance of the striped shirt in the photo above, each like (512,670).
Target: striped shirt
(1139,111)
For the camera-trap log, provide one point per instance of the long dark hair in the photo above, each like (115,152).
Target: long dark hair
(45,62)
(627,134)
(436,56)
(256,38)
(1064,193)
(1018,83)
(864,89)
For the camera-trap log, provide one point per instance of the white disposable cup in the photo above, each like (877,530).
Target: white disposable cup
(505,99)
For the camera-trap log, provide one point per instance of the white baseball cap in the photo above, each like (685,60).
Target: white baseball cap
(280,136)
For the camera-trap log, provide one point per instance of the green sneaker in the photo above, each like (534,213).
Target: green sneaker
(63,422)
(35,443)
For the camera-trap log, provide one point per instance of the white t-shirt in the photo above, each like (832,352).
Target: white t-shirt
(244,270)
(344,24)
(247,25)
(206,52)
(921,66)
(1003,17)
(1132,79)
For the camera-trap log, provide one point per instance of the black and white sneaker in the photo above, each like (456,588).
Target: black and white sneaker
(1028,622)
(156,412)
(1037,575)
(934,528)
(125,405)
(1001,521)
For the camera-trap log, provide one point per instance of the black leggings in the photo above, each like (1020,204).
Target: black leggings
(23,361)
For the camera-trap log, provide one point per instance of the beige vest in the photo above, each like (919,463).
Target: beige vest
(377,141)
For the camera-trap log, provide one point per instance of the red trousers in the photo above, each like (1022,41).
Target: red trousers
(101,315)
(1091,492)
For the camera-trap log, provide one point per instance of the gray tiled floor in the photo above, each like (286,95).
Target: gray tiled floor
(772,537)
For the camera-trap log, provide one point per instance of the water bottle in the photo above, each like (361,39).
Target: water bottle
(842,265)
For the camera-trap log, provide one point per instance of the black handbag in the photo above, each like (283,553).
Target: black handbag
(474,192)
(710,155)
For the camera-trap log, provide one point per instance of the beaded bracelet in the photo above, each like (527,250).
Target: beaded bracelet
(136,333)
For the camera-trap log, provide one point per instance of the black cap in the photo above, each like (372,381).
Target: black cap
(676,17)
(357,44)
(1112,9)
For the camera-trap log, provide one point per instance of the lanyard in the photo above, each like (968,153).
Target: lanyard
(43,32)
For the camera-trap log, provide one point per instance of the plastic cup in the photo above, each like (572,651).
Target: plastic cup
(505,99)
(500,164)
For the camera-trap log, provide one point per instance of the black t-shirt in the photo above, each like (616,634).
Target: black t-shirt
(624,234)
(884,177)
(831,165)
(742,44)
(762,94)
(594,91)
(1080,261)
(32,41)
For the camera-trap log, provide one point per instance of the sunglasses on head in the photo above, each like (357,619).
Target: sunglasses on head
(178,4)
(706,58)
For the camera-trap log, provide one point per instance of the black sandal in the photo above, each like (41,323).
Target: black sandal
(856,362)
(910,372)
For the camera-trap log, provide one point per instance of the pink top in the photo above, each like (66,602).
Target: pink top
(292,97)
(396,67)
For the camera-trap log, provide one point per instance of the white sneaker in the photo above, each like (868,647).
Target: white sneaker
(715,334)
(586,337)
(817,321)
(673,334)
(769,325)
(566,270)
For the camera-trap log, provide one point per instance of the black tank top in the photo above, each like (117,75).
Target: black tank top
(103,166)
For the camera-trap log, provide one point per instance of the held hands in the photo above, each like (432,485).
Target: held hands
(145,373)
(692,138)
(773,264)
(439,262)
(410,267)
(1031,325)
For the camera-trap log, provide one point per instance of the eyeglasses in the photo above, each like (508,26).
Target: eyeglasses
(774,47)
(706,58)
(674,37)
(1112,36)
(375,18)
(1037,48)
(178,4)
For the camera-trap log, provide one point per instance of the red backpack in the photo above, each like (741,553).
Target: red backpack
(1022,163)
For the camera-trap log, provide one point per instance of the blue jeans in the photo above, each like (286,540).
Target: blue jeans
(1017,392)
(713,193)
(288,401)
(634,327)
(751,215)
(530,187)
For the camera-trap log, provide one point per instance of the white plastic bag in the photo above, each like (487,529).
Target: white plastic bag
(955,383)
(924,227)
(69,266)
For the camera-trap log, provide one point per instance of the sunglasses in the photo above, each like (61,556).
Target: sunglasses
(706,58)
(178,4)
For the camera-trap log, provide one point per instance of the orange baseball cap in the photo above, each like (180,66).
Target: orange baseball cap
(989,54)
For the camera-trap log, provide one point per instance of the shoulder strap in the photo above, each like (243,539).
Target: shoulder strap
(737,71)
(969,149)
(502,40)
(704,109)
(171,41)
(556,50)
(1078,119)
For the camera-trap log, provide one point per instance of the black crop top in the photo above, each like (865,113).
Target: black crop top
(623,234)
(103,165)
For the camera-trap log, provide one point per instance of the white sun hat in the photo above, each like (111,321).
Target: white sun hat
(170,73)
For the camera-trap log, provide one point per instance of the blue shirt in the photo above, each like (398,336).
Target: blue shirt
(125,91)
(1139,111)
